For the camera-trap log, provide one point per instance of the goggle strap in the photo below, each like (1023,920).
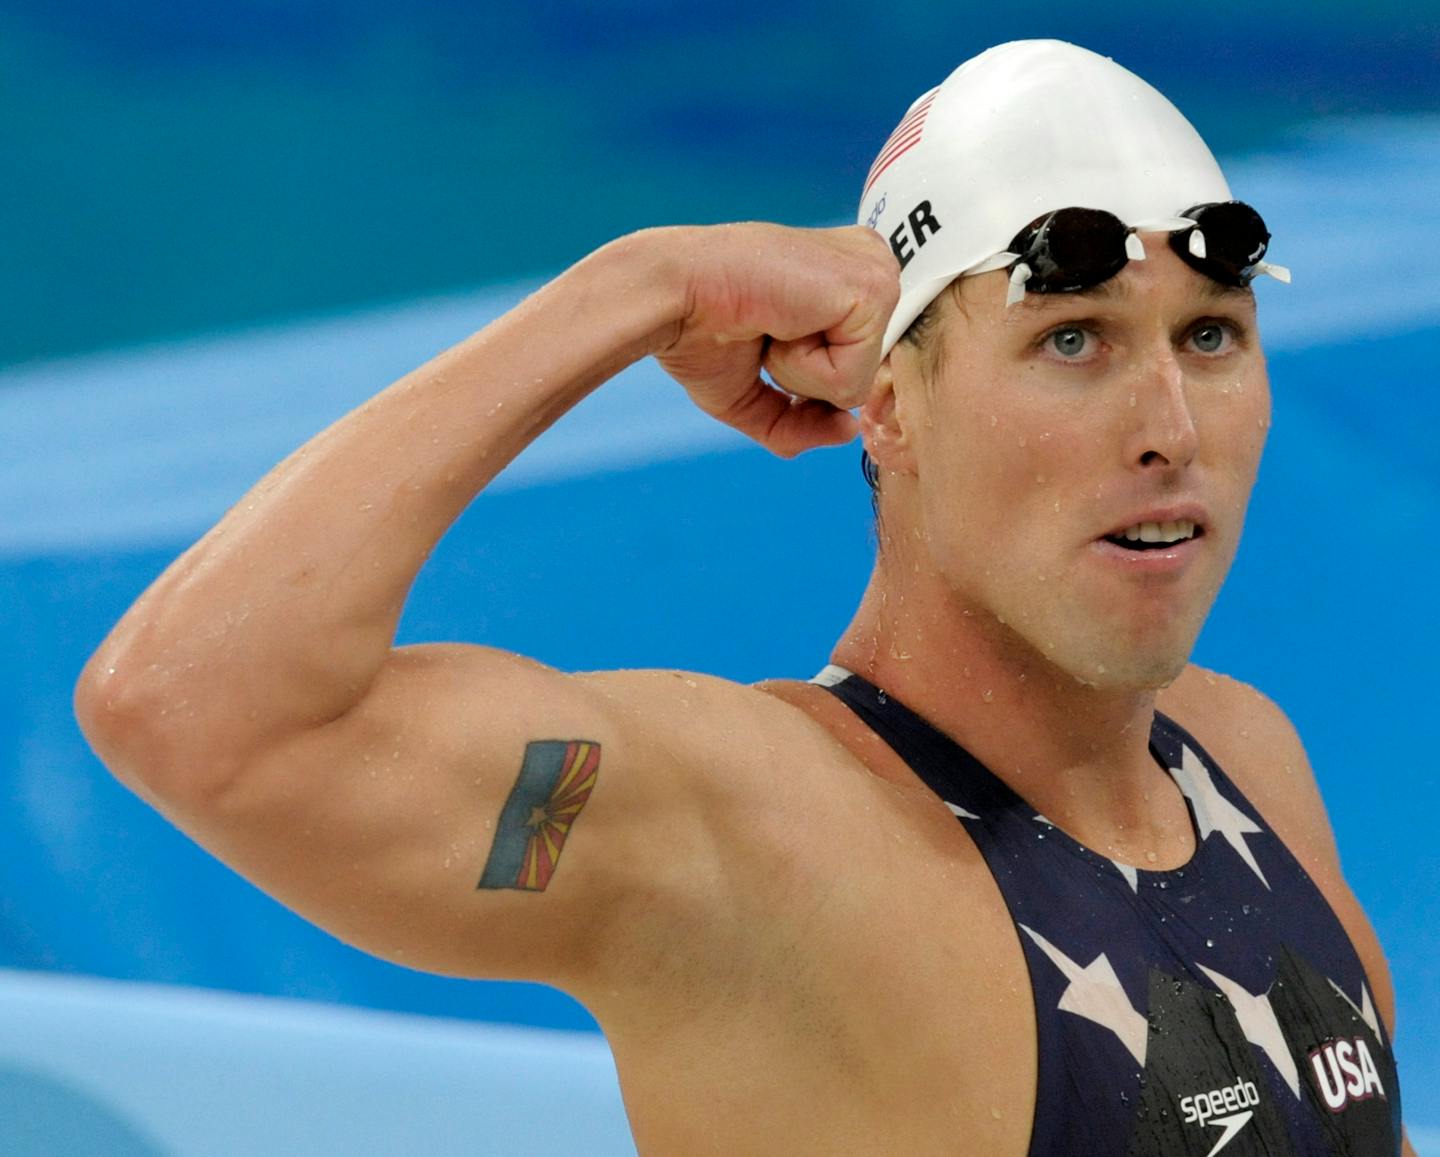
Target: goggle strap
(998,261)
(1163,224)
(1134,247)
(1278,272)
(1018,277)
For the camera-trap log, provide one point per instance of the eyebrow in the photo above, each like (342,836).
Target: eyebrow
(1118,289)
(1216,289)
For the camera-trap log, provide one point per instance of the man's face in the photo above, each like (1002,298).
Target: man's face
(1071,417)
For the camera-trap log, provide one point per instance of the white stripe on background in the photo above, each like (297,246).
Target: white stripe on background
(149,446)
(197,1073)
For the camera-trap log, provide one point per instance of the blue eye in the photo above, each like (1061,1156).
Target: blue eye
(1209,338)
(1069,342)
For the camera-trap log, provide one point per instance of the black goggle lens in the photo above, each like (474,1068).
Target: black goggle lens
(1073,249)
(1235,241)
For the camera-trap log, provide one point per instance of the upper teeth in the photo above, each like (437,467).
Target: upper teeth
(1160,531)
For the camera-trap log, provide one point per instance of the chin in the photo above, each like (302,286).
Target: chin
(1153,672)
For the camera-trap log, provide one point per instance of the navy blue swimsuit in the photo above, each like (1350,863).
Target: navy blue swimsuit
(1217,1008)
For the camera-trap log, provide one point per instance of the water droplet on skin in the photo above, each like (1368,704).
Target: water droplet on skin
(1021,440)
(1151,857)
(1040,479)
(994,420)
(988,696)
(1132,399)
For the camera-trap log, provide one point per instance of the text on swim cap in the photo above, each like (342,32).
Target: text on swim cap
(919,223)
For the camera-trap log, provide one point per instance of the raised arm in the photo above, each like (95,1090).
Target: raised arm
(253,693)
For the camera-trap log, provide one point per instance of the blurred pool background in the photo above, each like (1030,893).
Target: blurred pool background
(223,226)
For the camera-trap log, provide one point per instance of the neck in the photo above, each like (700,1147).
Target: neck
(1078,753)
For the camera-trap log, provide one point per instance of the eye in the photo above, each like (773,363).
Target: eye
(1211,337)
(1069,341)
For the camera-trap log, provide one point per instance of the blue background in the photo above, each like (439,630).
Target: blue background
(201,178)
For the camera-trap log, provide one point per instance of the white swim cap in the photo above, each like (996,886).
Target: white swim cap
(1021,130)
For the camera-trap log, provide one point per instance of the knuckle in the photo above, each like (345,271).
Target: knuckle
(885,283)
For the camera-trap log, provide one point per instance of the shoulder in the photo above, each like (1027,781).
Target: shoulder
(1252,738)
(755,761)
(1259,748)
(710,721)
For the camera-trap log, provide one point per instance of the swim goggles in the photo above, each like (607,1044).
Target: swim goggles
(1073,249)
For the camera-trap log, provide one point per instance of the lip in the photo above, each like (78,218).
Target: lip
(1157,560)
(1186,511)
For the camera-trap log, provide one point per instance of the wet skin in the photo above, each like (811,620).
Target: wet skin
(1008,448)
(791,944)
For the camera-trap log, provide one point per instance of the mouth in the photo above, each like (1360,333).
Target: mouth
(1146,536)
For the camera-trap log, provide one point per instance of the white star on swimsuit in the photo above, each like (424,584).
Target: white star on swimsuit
(1366,1008)
(1259,1024)
(1094,992)
(1213,811)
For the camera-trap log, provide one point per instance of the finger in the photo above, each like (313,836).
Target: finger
(807,424)
(839,362)
(816,367)
(786,425)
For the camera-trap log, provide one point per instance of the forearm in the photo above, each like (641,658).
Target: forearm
(282,615)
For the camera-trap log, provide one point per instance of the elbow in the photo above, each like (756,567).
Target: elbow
(107,709)
(146,737)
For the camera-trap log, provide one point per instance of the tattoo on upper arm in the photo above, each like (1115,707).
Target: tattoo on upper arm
(556,778)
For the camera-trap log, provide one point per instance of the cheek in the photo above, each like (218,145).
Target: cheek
(1236,428)
(1001,469)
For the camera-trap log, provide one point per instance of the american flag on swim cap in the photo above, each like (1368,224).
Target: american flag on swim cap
(906,136)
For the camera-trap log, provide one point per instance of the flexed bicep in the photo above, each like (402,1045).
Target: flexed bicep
(477,814)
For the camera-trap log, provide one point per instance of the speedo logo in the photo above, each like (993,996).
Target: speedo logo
(1230,1107)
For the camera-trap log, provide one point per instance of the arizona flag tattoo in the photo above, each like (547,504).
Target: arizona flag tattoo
(556,778)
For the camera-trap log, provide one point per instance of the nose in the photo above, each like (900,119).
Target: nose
(1163,433)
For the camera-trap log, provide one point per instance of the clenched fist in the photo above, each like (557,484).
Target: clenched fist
(806,306)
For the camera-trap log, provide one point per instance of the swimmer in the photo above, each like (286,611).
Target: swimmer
(1009,875)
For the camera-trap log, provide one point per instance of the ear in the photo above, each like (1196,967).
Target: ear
(884,434)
